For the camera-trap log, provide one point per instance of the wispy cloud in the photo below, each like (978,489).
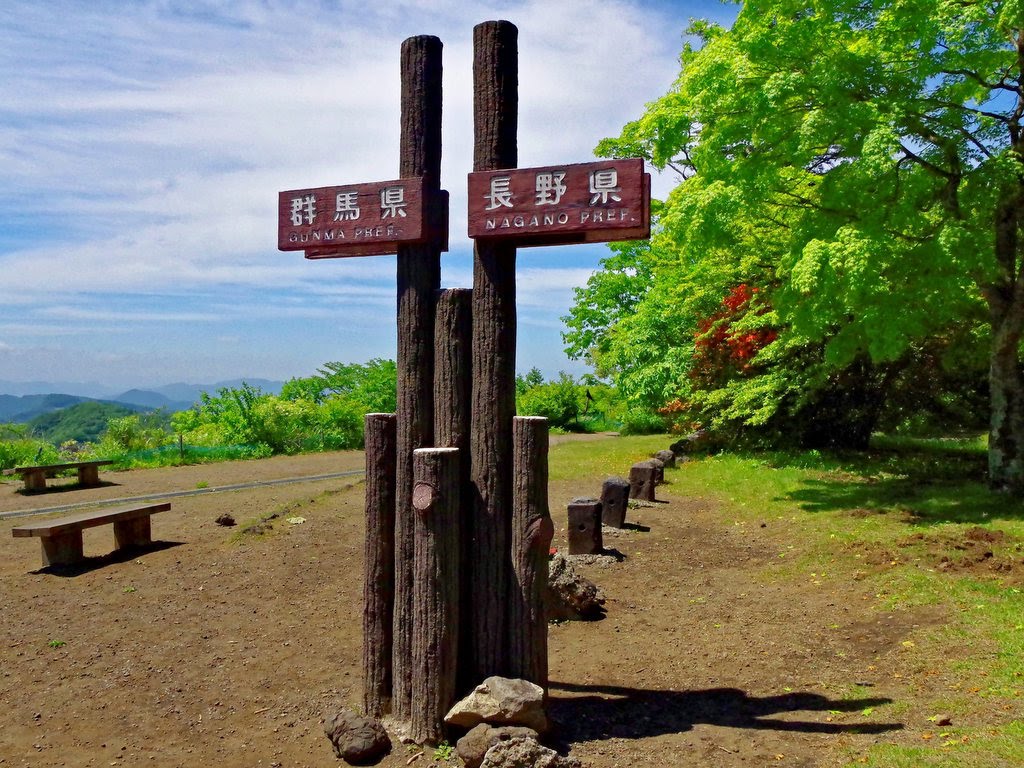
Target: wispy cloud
(143,144)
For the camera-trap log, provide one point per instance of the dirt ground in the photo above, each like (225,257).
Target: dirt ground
(202,651)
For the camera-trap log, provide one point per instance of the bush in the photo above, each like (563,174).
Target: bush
(637,421)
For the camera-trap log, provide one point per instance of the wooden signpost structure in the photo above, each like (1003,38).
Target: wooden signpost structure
(458,526)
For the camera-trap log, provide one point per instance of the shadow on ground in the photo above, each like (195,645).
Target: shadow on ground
(604,712)
(64,487)
(102,561)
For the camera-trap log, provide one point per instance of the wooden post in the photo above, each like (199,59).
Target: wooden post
(419,276)
(379,567)
(495,106)
(532,531)
(453,388)
(435,501)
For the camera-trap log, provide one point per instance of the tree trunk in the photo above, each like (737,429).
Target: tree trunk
(1006,315)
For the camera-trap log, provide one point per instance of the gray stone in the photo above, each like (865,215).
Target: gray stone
(659,471)
(474,745)
(569,595)
(357,740)
(524,752)
(501,701)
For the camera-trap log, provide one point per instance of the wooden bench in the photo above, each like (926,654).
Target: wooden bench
(35,477)
(62,537)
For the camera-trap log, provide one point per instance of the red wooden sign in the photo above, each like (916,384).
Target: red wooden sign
(581,203)
(353,220)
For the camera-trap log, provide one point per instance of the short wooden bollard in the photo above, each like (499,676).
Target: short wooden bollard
(659,471)
(667,458)
(435,606)
(379,571)
(614,501)
(585,527)
(642,480)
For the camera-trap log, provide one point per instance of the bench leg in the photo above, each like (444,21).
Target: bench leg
(35,479)
(62,550)
(132,533)
(89,475)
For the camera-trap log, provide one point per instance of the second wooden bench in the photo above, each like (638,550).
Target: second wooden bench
(62,537)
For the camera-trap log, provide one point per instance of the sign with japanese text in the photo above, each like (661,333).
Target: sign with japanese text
(353,220)
(581,203)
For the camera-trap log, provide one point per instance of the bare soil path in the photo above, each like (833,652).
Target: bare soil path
(208,651)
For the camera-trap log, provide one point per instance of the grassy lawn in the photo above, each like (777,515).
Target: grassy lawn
(916,525)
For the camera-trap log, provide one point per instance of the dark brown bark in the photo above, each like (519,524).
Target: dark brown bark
(532,531)
(495,96)
(1005,296)
(435,501)
(379,568)
(419,276)
(453,388)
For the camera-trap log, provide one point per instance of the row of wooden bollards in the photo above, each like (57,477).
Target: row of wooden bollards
(586,515)
(442,531)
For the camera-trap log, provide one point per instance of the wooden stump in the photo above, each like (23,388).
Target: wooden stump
(614,501)
(435,501)
(379,567)
(585,527)
(642,480)
(532,531)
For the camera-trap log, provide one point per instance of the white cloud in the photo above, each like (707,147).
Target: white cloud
(143,144)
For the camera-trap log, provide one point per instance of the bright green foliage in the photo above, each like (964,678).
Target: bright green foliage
(81,422)
(858,162)
(322,412)
(557,401)
(18,448)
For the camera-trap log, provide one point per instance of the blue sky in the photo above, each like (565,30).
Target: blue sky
(142,146)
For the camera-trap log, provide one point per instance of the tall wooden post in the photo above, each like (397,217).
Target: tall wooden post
(495,111)
(419,277)
(379,569)
(453,389)
(435,501)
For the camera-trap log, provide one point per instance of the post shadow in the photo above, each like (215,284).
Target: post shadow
(634,713)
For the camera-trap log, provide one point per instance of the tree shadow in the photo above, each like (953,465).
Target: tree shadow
(606,712)
(918,501)
(88,564)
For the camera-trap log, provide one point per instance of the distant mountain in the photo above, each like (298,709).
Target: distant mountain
(26,407)
(81,389)
(148,399)
(190,393)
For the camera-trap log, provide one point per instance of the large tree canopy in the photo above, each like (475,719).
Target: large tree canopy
(861,163)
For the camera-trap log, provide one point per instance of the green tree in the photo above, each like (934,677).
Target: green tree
(870,153)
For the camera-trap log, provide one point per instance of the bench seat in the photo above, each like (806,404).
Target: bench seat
(61,537)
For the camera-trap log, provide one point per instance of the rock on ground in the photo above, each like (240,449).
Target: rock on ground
(570,595)
(525,752)
(474,745)
(501,701)
(357,740)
